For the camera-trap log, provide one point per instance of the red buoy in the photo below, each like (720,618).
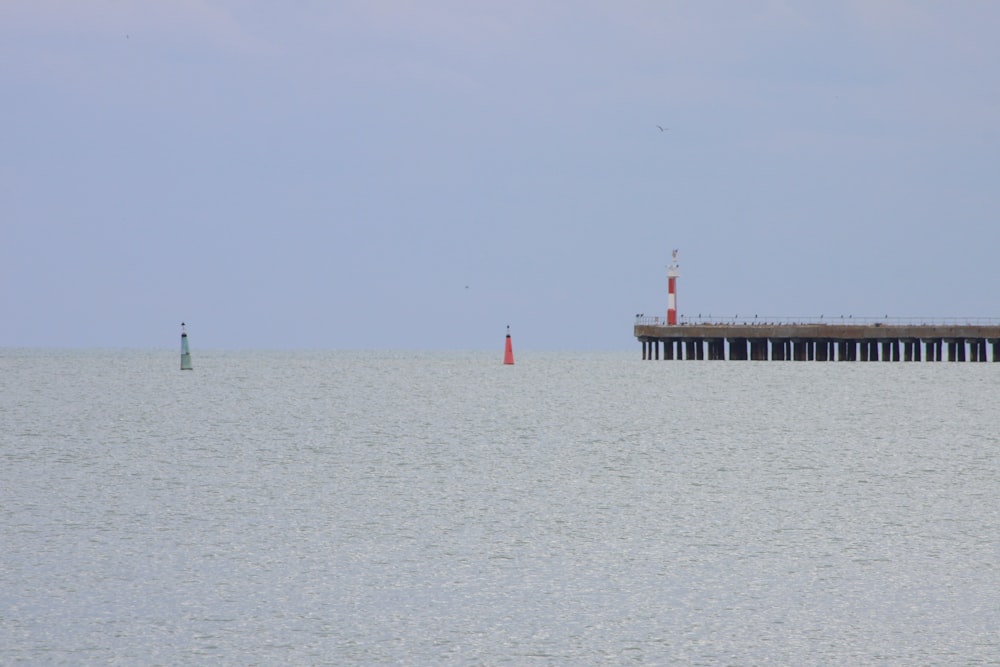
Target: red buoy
(508,354)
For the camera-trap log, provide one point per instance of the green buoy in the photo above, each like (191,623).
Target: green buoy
(185,352)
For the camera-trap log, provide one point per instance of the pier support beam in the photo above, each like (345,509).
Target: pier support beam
(911,350)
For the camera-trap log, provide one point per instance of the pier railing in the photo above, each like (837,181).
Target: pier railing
(840,320)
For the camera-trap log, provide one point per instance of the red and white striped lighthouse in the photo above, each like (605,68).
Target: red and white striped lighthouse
(672,290)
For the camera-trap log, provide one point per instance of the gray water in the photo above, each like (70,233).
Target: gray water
(443,509)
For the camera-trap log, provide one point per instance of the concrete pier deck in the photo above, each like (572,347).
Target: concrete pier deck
(869,339)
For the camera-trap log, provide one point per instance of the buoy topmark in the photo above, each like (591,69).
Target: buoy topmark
(185,352)
(508,354)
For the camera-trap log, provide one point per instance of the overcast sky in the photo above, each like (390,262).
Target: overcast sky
(418,175)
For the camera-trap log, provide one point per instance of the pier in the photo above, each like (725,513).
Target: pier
(854,339)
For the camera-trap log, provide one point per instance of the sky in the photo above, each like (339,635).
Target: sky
(418,176)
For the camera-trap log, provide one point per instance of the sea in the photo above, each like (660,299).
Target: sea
(441,508)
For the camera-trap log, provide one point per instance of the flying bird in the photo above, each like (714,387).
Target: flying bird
(663,129)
